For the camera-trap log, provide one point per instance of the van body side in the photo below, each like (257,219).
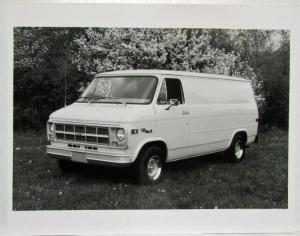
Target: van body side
(217,109)
(188,115)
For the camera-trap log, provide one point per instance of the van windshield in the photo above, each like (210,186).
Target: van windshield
(120,89)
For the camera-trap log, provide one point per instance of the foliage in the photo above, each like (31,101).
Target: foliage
(102,50)
(43,56)
(29,46)
(274,69)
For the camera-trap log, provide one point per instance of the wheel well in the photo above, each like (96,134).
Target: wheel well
(159,144)
(243,134)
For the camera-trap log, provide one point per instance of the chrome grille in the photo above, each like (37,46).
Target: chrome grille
(82,133)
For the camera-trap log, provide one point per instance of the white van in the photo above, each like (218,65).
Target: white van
(149,117)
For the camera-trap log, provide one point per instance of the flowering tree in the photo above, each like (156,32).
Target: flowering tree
(102,50)
(44,56)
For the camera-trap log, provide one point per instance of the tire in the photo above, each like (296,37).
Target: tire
(65,166)
(236,152)
(149,165)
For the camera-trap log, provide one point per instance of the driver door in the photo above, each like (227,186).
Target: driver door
(172,121)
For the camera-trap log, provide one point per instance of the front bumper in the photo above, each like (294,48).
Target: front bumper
(83,156)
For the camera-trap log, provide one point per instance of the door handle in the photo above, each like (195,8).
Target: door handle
(185,112)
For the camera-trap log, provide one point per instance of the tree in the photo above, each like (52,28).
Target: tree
(275,71)
(175,49)
(43,56)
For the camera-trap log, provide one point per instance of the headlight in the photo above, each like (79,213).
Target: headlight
(51,127)
(120,134)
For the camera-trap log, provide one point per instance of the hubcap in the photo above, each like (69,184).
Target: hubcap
(154,167)
(238,150)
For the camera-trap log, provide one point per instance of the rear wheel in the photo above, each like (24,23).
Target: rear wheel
(236,151)
(149,165)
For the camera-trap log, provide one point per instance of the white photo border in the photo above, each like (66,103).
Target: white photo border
(261,15)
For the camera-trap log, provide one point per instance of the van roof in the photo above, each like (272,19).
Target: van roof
(170,72)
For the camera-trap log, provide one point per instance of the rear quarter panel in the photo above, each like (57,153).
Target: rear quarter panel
(218,108)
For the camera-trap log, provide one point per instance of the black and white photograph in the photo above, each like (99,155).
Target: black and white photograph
(127,118)
(149,118)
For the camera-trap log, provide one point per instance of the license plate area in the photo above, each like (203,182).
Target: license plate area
(79,157)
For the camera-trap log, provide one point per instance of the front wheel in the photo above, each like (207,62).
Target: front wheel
(236,151)
(149,165)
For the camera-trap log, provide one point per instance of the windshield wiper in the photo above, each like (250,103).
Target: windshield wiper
(116,99)
(87,98)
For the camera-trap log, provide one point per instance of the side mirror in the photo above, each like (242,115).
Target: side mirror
(173,102)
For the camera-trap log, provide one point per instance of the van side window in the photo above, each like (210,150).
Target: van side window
(170,89)
(162,96)
(174,90)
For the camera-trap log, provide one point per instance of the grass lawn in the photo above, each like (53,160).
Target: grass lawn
(259,181)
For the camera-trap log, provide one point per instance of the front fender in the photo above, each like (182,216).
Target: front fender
(144,142)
